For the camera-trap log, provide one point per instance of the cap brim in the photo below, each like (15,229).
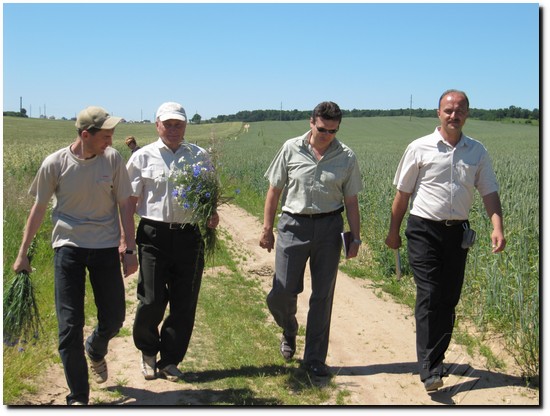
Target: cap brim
(172,116)
(111,123)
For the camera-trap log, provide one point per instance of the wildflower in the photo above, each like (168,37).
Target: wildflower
(196,188)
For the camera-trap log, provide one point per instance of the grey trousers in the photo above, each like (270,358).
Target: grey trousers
(301,239)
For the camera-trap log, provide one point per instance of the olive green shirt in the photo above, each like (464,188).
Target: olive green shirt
(312,186)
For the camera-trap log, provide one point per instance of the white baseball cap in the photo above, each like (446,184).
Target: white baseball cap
(171,111)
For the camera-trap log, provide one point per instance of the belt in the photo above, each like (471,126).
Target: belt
(321,215)
(173,226)
(451,223)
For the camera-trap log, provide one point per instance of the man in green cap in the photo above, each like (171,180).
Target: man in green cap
(90,184)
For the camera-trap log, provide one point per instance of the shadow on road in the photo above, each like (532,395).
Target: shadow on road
(469,378)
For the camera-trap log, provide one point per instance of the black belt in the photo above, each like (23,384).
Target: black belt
(173,226)
(321,215)
(451,223)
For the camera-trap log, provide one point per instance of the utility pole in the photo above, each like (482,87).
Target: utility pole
(410,108)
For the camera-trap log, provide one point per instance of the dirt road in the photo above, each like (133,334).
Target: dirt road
(371,350)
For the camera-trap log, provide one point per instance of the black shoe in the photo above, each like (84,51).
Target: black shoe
(288,346)
(317,368)
(432,383)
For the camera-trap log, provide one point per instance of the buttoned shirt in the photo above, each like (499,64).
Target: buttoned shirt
(149,171)
(312,186)
(442,178)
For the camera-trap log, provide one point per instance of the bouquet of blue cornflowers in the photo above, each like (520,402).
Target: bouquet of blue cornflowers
(21,316)
(197,188)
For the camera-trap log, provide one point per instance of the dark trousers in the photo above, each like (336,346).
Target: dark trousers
(171,263)
(438,264)
(298,240)
(70,264)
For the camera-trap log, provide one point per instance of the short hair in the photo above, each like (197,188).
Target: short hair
(327,110)
(130,139)
(91,130)
(456,92)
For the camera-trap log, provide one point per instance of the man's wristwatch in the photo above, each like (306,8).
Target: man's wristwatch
(356,241)
(128,251)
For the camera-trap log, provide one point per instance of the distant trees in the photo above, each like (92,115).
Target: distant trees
(22,113)
(289,115)
(511,112)
(196,119)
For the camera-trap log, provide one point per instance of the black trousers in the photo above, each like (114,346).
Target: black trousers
(171,263)
(438,264)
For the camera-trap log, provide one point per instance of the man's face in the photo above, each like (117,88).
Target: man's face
(171,131)
(453,112)
(323,131)
(97,143)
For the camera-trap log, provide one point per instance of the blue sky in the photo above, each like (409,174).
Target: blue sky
(226,57)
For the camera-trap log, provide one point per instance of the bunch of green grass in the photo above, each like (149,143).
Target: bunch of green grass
(21,315)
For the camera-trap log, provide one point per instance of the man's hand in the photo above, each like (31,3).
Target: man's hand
(267,240)
(129,264)
(213,221)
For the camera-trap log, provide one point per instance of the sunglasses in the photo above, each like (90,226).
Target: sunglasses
(323,130)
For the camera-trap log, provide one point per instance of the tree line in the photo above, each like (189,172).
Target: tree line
(511,112)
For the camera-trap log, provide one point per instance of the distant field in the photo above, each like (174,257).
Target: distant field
(501,291)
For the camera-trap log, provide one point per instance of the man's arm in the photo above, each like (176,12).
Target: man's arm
(494,211)
(127,210)
(354,222)
(267,239)
(398,210)
(34,221)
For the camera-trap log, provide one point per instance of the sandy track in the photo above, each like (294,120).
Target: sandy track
(371,350)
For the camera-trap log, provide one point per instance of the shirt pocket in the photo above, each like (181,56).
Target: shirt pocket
(465,173)
(154,176)
(105,184)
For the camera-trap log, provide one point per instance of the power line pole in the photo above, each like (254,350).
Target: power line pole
(410,108)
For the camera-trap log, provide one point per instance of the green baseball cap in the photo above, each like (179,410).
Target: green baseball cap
(96,117)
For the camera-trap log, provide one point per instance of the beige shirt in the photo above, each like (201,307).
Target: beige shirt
(314,186)
(442,178)
(149,171)
(85,197)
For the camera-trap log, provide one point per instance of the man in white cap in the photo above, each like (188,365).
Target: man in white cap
(90,184)
(171,249)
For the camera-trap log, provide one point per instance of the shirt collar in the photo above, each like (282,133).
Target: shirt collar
(161,145)
(305,141)
(462,142)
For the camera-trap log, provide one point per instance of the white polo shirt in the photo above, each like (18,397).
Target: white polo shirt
(442,178)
